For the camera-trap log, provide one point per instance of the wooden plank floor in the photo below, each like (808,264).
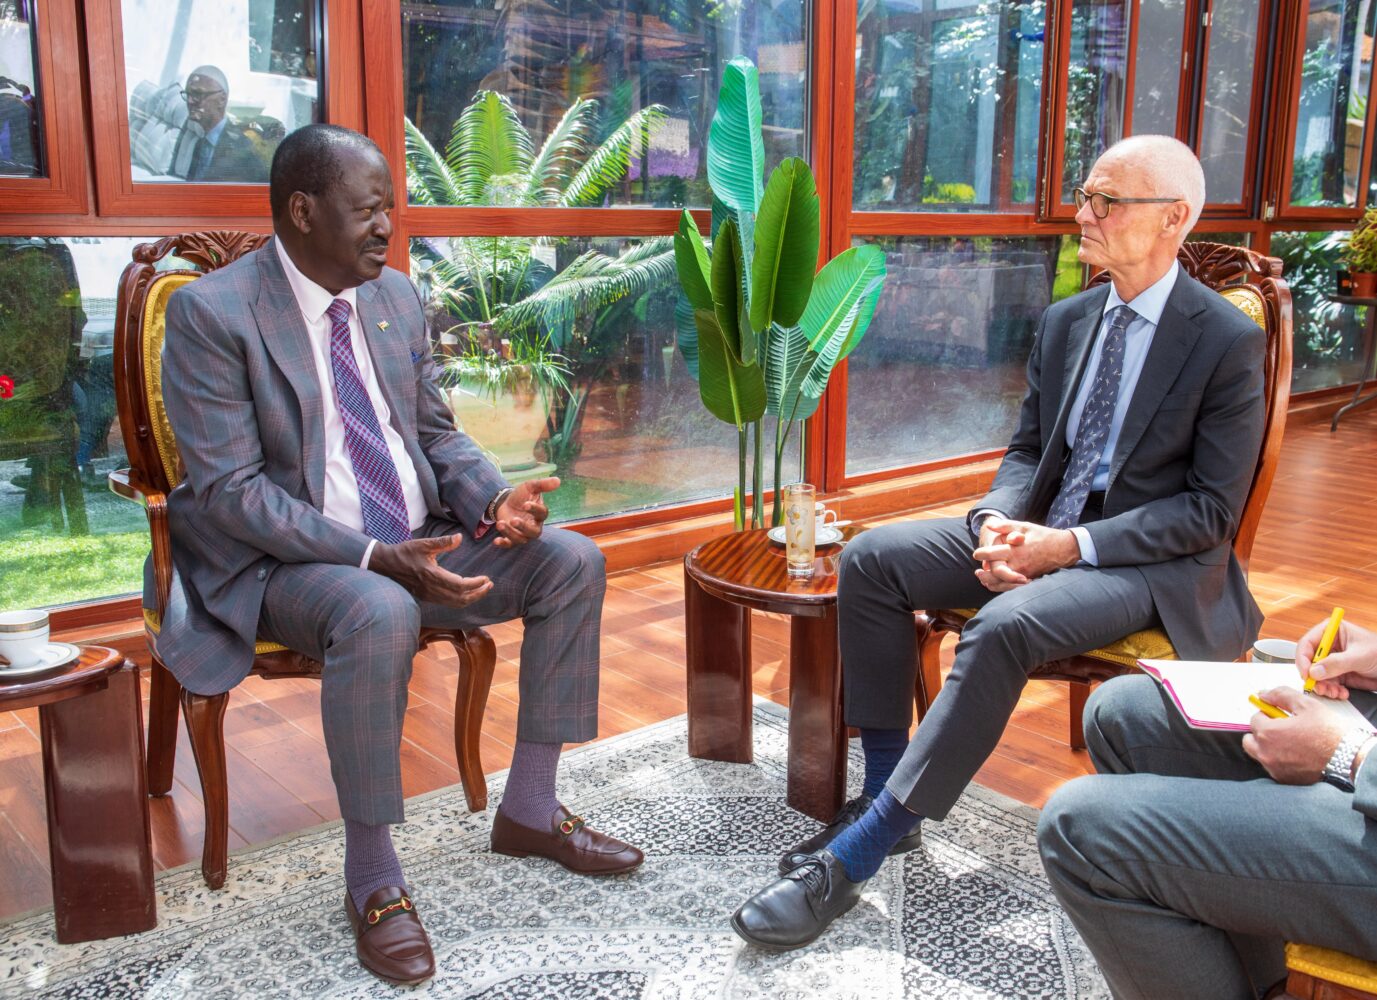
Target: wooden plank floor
(1312,552)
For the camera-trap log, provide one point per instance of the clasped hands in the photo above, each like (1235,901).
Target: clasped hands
(1295,750)
(1011,553)
(415,563)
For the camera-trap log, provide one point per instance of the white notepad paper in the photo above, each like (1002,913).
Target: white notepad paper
(1215,695)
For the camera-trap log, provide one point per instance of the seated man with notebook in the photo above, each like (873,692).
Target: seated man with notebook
(1193,854)
(1113,510)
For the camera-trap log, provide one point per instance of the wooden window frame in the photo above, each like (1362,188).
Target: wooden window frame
(57,71)
(117,194)
(1288,72)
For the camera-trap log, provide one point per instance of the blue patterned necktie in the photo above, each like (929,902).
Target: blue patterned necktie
(1093,430)
(380,490)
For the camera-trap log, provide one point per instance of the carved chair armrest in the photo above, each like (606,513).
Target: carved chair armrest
(127,483)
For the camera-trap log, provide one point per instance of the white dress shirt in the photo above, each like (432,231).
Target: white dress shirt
(342,501)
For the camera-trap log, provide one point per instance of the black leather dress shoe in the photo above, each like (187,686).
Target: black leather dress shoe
(850,814)
(795,910)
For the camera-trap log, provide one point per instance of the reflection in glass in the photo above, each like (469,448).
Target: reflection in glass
(21,142)
(210,98)
(1328,339)
(947,104)
(1335,76)
(1095,85)
(1157,67)
(1228,99)
(941,370)
(64,536)
(627,57)
(559,355)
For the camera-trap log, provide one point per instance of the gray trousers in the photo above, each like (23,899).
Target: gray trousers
(889,572)
(364,628)
(1184,867)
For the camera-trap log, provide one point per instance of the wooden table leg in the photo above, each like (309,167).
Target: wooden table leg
(98,832)
(718,637)
(817,738)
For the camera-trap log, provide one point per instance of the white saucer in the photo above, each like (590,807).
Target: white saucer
(52,656)
(826,535)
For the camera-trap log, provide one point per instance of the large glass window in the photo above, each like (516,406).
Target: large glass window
(947,105)
(1228,99)
(941,370)
(215,89)
(558,357)
(21,142)
(1328,338)
(64,536)
(1157,67)
(1335,77)
(1095,81)
(649,68)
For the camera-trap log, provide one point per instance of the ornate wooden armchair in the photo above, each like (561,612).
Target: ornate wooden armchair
(1253,283)
(154,469)
(1321,974)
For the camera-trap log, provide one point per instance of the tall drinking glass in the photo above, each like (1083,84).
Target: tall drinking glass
(800,520)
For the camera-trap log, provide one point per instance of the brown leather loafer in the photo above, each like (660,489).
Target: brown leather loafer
(577,847)
(392,944)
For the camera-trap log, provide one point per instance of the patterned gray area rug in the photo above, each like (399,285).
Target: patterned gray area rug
(970,915)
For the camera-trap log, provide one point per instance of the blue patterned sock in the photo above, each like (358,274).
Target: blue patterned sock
(529,798)
(369,860)
(883,748)
(862,847)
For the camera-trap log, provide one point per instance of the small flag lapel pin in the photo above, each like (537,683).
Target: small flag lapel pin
(382,324)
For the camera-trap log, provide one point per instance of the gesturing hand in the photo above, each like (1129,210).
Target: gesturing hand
(522,515)
(1295,750)
(413,564)
(1351,663)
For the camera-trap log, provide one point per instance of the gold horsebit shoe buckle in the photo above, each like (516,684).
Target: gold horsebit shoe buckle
(398,906)
(568,826)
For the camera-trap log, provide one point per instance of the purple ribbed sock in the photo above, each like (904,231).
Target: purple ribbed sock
(369,860)
(530,795)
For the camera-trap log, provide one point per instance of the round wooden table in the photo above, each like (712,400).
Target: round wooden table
(725,579)
(99,840)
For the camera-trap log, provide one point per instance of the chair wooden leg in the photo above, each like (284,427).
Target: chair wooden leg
(1080,692)
(163,696)
(929,675)
(477,660)
(205,723)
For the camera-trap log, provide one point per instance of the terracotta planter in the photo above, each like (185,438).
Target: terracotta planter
(508,426)
(1364,284)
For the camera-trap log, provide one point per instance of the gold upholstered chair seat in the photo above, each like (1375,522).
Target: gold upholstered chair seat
(1323,974)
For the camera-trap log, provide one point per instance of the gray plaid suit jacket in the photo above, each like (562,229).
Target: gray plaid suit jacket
(246,405)
(1182,466)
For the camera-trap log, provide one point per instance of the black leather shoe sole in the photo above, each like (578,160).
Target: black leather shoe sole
(745,935)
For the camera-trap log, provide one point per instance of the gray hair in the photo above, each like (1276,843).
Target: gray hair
(1170,165)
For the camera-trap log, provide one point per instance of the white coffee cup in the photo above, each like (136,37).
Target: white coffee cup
(1273,651)
(823,514)
(23,634)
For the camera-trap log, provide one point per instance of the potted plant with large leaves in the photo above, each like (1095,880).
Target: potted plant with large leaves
(758,328)
(499,303)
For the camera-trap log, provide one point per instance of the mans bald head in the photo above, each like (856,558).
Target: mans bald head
(1168,167)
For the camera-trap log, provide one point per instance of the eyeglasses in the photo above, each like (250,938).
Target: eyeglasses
(1100,202)
(199,95)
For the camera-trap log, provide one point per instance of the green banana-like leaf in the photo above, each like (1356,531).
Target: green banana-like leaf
(839,310)
(726,289)
(488,139)
(736,147)
(787,233)
(786,349)
(609,163)
(686,332)
(691,261)
(731,391)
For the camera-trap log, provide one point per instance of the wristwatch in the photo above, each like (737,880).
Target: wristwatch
(496,502)
(1339,770)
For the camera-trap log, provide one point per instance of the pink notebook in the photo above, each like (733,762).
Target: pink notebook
(1215,695)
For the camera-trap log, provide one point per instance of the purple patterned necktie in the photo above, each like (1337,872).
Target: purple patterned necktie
(380,491)
(1093,430)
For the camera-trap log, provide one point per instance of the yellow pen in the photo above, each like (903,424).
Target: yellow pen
(1326,640)
(1267,708)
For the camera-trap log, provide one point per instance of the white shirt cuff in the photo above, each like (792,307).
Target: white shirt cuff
(1088,554)
(978,518)
(367,554)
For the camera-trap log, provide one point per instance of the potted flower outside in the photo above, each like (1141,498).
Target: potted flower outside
(1361,256)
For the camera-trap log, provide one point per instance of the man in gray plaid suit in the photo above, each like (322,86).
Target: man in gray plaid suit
(330,505)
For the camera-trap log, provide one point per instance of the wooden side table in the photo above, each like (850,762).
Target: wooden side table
(99,838)
(1369,355)
(723,580)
